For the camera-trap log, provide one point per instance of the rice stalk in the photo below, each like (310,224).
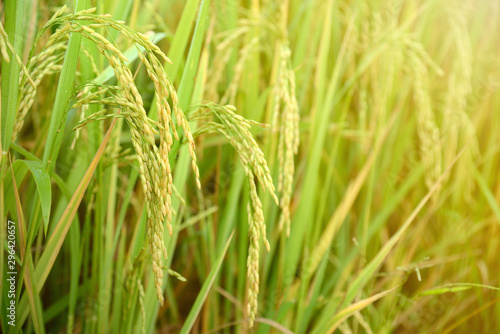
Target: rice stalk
(458,127)
(431,145)
(133,288)
(245,53)
(155,172)
(4,39)
(235,129)
(285,109)
(286,119)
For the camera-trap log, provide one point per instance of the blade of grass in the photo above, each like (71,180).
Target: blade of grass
(31,290)
(56,239)
(470,315)
(369,270)
(205,289)
(43,186)
(345,205)
(487,192)
(14,24)
(455,287)
(305,209)
(350,310)
(63,94)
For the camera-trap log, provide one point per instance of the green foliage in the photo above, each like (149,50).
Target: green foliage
(357,141)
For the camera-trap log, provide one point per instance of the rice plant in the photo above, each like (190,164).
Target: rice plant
(249,167)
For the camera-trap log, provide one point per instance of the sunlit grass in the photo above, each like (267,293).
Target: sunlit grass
(307,166)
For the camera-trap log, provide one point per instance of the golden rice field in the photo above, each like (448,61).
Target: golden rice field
(225,166)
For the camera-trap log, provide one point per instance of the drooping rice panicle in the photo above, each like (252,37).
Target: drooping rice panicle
(155,172)
(235,129)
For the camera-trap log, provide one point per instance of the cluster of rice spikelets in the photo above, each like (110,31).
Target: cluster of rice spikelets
(439,140)
(375,90)
(45,63)
(224,46)
(155,172)
(244,55)
(132,282)
(429,134)
(285,120)
(236,130)
(458,127)
(284,103)
(3,43)
(402,50)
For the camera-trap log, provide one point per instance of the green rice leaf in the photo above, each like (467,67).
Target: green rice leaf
(205,289)
(43,185)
